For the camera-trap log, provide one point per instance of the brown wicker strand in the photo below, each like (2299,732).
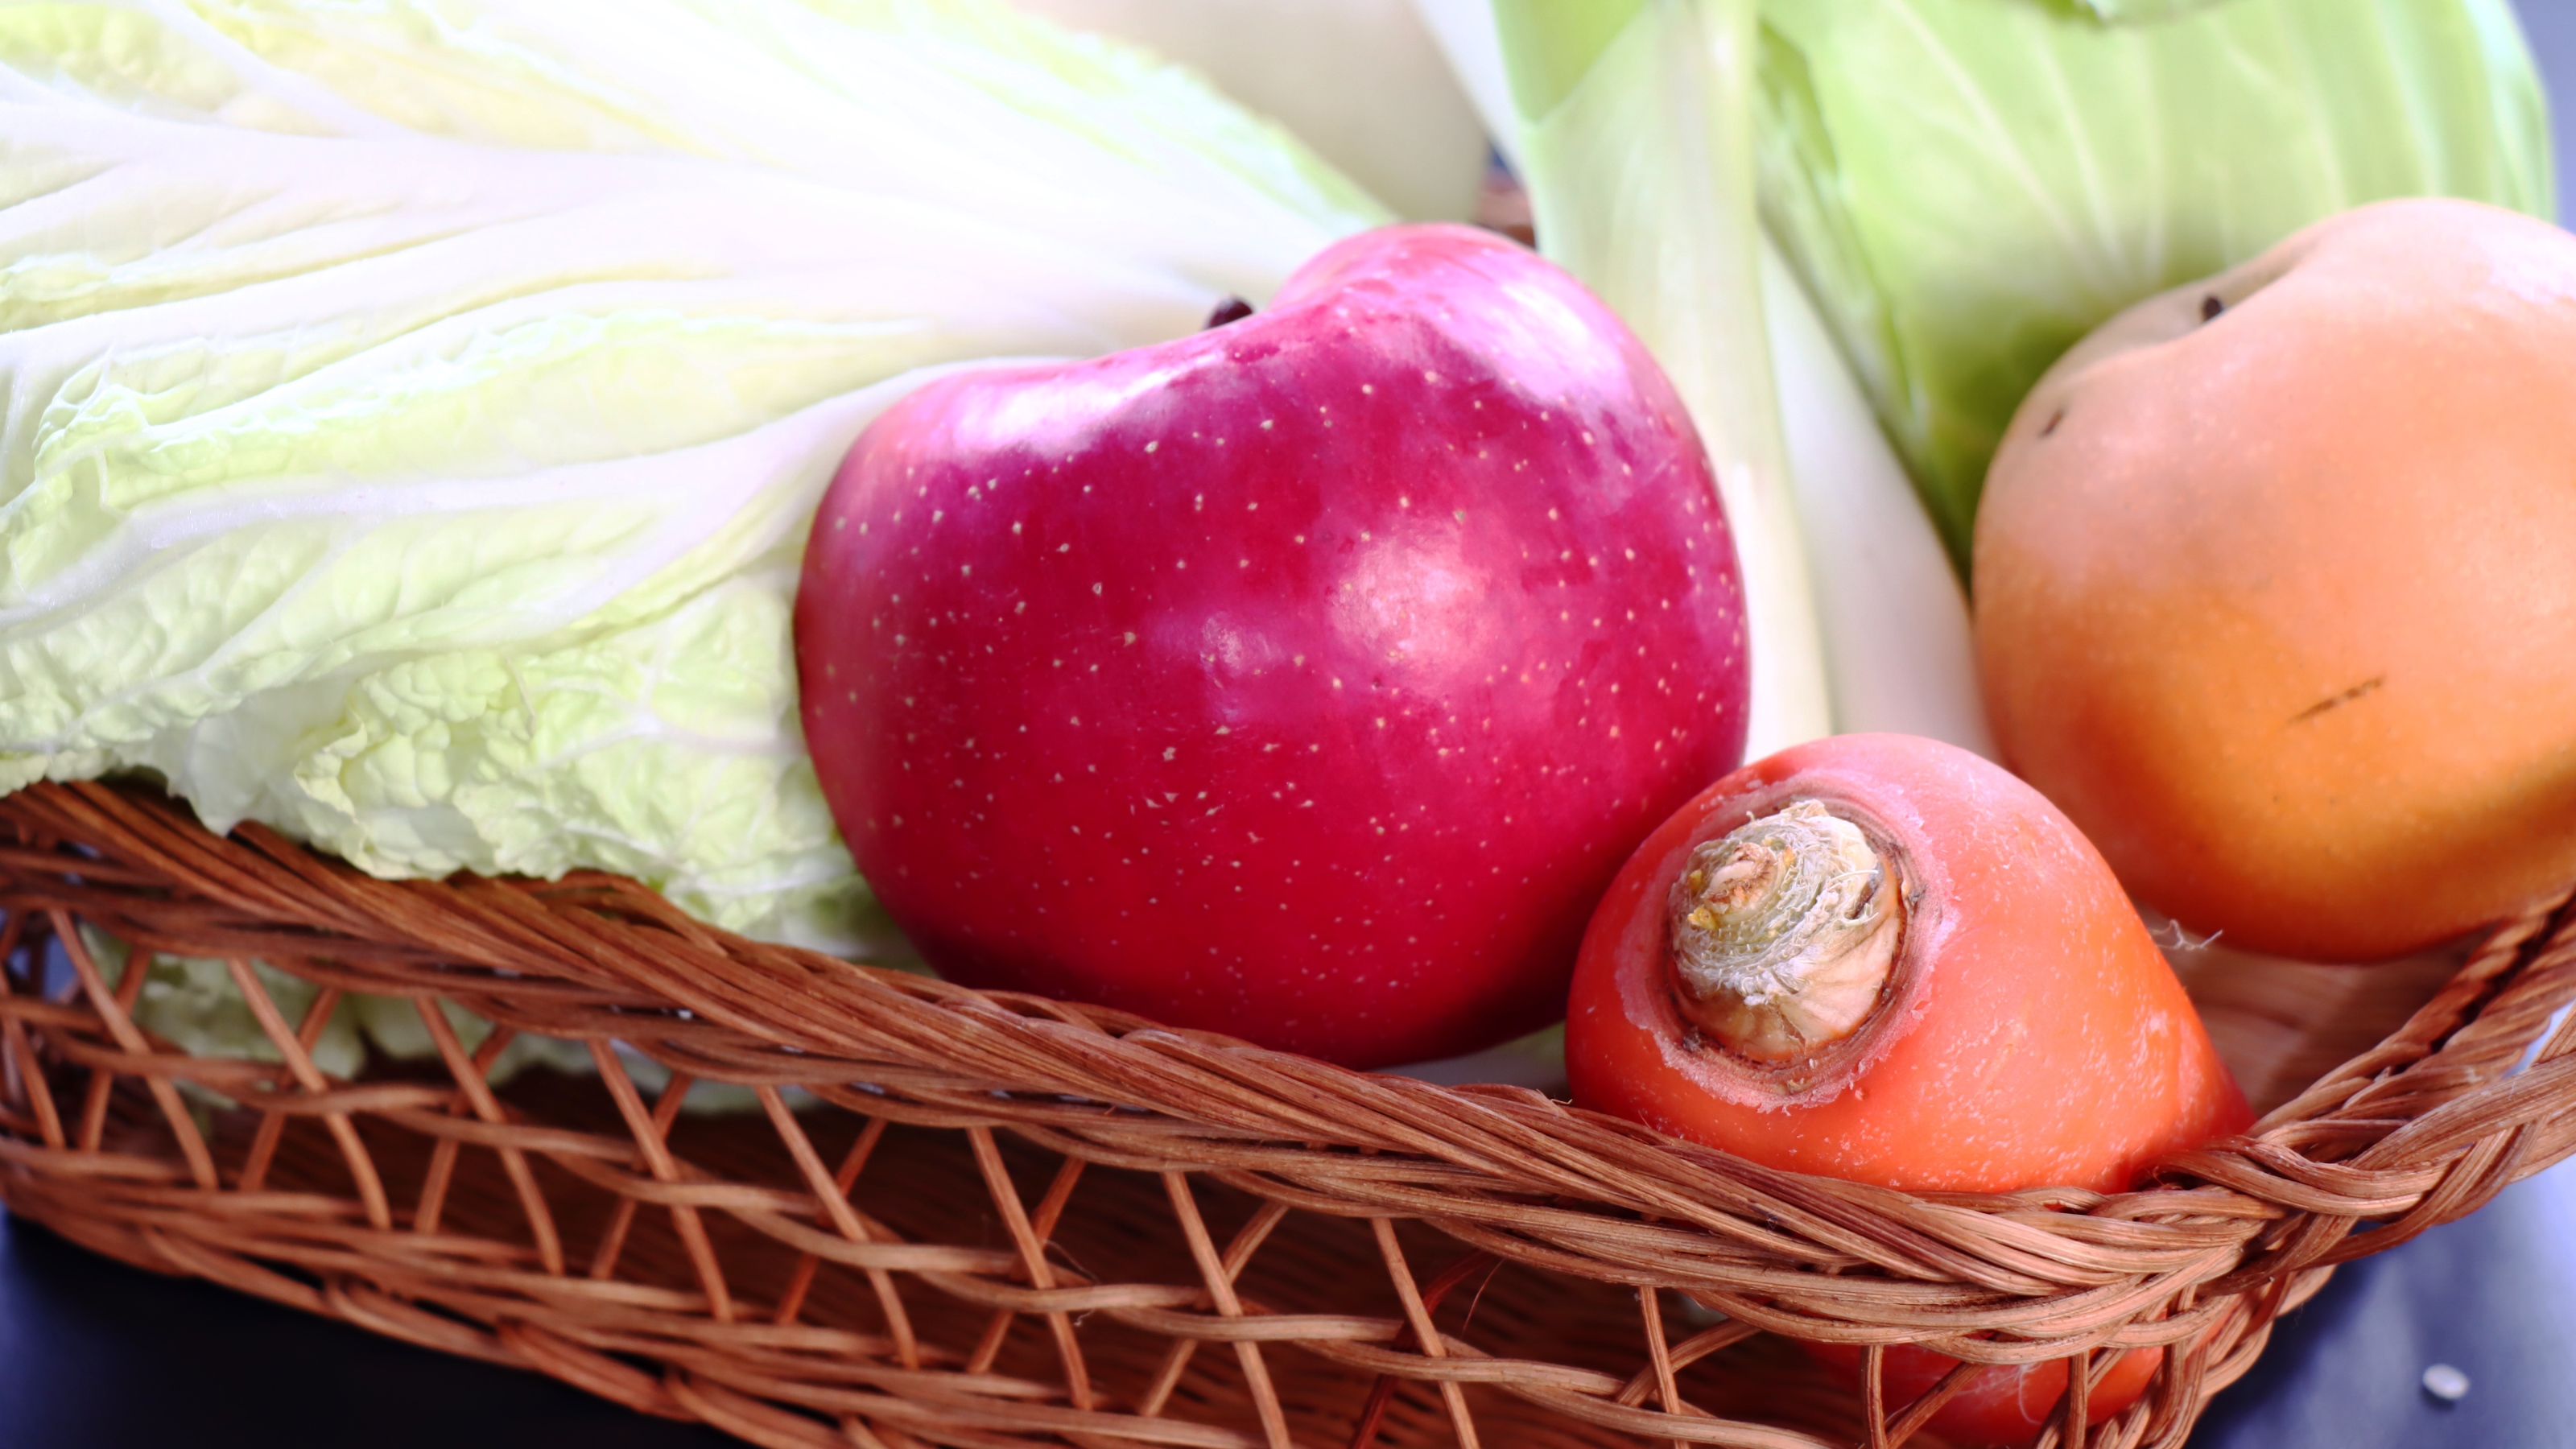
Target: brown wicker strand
(115,1009)
(24,1079)
(1433,1343)
(290,1045)
(474,1091)
(1220,1287)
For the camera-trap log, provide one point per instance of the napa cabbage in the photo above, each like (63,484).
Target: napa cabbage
(411,410)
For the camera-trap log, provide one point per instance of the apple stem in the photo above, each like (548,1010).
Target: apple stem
(1784,933)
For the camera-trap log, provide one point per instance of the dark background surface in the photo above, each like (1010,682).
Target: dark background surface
(2551,24)
(95,1355)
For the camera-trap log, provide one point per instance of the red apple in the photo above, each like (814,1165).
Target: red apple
(1305,679)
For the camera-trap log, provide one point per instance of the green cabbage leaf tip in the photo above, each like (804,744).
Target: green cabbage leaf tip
(1969,186)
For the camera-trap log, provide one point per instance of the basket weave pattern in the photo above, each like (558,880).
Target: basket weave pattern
(991,1220)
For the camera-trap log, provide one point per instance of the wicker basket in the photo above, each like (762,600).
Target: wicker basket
(972,1219)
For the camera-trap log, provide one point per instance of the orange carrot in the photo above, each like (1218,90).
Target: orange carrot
(2000,1405)
(2022,1030)
(1884,959)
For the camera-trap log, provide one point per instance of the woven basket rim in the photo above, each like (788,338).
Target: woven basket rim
(2462,1100)
(857,1022)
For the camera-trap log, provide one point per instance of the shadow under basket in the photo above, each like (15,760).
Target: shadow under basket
(975,1219)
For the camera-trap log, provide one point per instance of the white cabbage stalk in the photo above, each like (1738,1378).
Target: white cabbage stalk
(410,413)
(1361,81)
(1474,50)
(1899,652)
(1635,137)
(1882,641)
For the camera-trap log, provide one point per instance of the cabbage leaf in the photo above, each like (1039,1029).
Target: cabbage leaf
(411,410)
(1969,186)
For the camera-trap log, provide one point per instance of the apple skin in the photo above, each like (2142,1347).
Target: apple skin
(1305,679)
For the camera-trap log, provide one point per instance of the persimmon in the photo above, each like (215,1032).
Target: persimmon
(1885,959)
(2276,585)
